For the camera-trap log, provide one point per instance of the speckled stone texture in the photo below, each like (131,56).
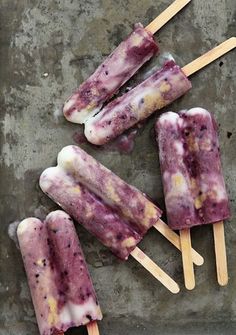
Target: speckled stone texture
(47,48)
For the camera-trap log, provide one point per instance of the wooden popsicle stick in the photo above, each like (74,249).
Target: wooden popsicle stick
(220,252)
(174,238)
(185,240)
(210,56)
(92,328)
(166,15)
(155,270)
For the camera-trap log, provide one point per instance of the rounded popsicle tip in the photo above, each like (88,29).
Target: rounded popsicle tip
(57,215)
(46,179)
(168,117)
(70,111)
(59,220)
(73,113)
(92,135)
(26,224)
(196,111)
(66,155)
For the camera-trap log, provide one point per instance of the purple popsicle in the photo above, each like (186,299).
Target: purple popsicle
(193,182)
(59,281)
(156,92)
(118,68)
(116,213)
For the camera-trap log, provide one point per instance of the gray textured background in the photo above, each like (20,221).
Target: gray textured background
(67,39)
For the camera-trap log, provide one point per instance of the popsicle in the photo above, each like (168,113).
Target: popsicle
(193,182)
(115,212)
(59,281)
(118,68)
(159,90)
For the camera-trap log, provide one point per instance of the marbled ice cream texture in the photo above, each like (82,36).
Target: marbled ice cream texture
(118,68)
(156,92)
(59,281)
(192,177)
(115,212)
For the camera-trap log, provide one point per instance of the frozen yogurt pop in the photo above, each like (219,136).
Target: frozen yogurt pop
(59,281)
(192,177)
(159,90)
(117,214)
(125,60)
(156,92)
(193,182)
(118,68)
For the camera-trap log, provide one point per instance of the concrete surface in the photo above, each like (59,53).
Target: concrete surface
(46,49)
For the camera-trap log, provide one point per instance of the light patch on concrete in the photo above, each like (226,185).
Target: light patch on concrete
(40,212)
(10,311)
(24,291)
(212,25)
(32,141)
(57,114)
(12,228)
